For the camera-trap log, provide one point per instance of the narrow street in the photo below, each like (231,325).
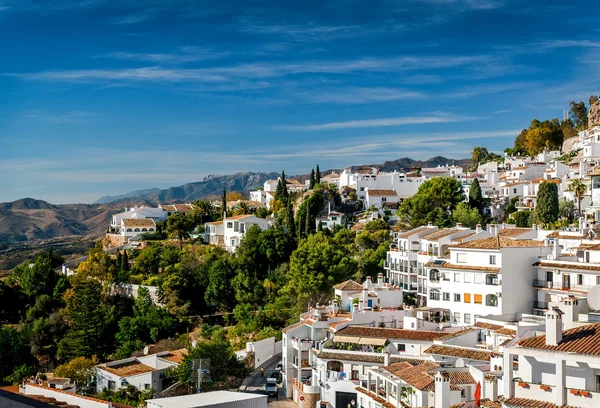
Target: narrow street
(254,383)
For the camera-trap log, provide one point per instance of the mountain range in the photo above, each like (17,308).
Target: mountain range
(29,219)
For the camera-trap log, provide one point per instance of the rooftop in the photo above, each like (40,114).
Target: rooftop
(365,357)
(127,369)
(413,231)
(416,335)
(422,378)
(349,285)
(513,232)
(579,340)
(213,398)
(448,265)
(459,352)
(515,402)
(138,222)
(175,356)
(498,242)
(382,193)
(488,326)
(572,265)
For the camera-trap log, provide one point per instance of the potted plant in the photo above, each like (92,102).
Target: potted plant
(575,392)
(545,387)
(584,393)
(522,384)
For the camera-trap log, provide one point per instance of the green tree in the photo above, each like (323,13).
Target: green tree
(546,208)
(14,349)
(476,199)
(511,207)
(80,370)
(578,188)
(312,179)
(203,211)
(88,318)
(179,227)
(468,217)
(579,115)
(224,203)
(219,292)
(566,210)
(262,212)
(290,223)
(148,260)
(37,278)
(318,175)
(522,219)
(434,202)
(125,261)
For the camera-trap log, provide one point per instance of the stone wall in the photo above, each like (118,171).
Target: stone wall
(594,115)
(310,398)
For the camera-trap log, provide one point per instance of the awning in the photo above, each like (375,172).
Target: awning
(346,339)
(369,341)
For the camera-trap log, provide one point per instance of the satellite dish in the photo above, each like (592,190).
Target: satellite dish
(459,363)
(550,257)
(146,350)
(593,298)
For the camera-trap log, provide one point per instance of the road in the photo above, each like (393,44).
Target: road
(256,384)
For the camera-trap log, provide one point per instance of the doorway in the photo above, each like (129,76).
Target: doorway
(345,399)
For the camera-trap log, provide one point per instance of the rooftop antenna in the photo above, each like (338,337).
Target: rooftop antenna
(565,115)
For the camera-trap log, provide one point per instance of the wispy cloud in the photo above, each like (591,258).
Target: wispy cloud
(62,118)
(183,55)
(468,4)
(352,95)
(382,122)
(502,111)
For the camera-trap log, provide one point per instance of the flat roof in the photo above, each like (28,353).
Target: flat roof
(204,399)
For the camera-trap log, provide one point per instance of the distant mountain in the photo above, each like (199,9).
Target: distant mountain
(131,194)
(211,186)
(408,164)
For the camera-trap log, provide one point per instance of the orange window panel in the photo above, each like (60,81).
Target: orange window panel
(478,299)
(467,298)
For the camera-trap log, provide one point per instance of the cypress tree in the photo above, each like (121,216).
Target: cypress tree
(476,197)
(546,208)
(125,261)
(119,261)
(308,226)
(312,179)
(284,191)
(318,175)
(289,220)
(279,190)
(224,202)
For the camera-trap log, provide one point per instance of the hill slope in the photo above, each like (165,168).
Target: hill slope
(131,194)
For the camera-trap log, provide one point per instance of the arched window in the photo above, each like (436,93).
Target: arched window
(136,230)
(434,275)
(129,230)
(144,230)
(150,229)
(434,294)
(335,366)
(491,300)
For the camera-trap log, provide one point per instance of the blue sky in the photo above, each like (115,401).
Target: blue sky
(103,97)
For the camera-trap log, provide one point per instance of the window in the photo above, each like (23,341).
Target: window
(457,277)
(579,279)
(333,218)
(401,347)
(514,191)
(491,279)
(597,280)
(230,225)
(492,259)
(461,258)
(434,294)
(111,385)
(383,199)
(549,276)
(236,226)
(467,318)
(457,297)
(491,300)
(457,317)
(598,383)
(446,296)
(362,189)
(146,386)
(478,299)
(468,277)
(478,278)
(124,383)
(467,298)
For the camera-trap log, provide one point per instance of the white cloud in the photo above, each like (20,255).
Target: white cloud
(183,55)
(353,95)
(381,122)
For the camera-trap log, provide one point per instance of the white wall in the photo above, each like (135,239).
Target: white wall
(263,350)
(71,399)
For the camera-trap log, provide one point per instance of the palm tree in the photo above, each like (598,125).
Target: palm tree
(203,210)
(179,227)
(242,208)
(578,188)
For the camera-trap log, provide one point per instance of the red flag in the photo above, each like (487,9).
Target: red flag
(478,395)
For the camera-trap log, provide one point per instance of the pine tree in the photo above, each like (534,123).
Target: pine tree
(318,175)
(289,220)
(312,179)
(224,203)
(125,261)
(119,260)
(475,196)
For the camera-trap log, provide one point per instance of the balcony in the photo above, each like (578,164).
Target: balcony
(537,283)
(540,305)
(302,344)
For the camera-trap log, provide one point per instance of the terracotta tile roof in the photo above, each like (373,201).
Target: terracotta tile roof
(418,335)
(127,369)
(461,377)
(448,265)
(515,402)
(365,358)
(382,193)
(506,332)
(541,180)
(139,222)
(488,326)
(459,352)
(513,232)
(485,403)
(498,242)
(439,234)
(463,237)
(412,232)
(578,266)
(557,234)
(183,207)
(349,285)
(579,340)
(238,217)
(421,376)
(168,207)
(78,396)
(215,223)
(175,356)
(293,326)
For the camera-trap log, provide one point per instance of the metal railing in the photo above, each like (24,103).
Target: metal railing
(540,305)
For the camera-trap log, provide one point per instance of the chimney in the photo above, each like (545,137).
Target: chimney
(478,228)
(334,306)
(442,390)
(553,326)
(369,283)
(533,227)
(386,358)
(493,229)
(581,224)
(365,297)
(430,224)
(556,250)
(494,388)
(459,225)
(379,280)
(570,308)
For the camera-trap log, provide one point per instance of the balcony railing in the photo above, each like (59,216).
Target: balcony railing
(540,305)
(542,283)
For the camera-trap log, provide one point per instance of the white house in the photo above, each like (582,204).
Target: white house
(157,214)
(356,297)
(235,228)
(142,372)
(381,198)
(130,227)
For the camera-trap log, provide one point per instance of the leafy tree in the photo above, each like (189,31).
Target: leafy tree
(566,210)
(179,227)
(235,196)
(593,100)
(148,260)
(125,261)
(20,373)
(262,212)
(568,129)
(289,220)
(80,370)
(434,201)
(219,292)
(99,266)
(317,264)
(12,304)
(546,209)
(481,155)
(38,278)
(579,115)
(540,135)
(242,208)
(318,175)
(511,207)
(523,219)
(88,318)
(203,211)
(129,395)
(468,217)
(14,349)
(578,188)
(476,199)
(311,184)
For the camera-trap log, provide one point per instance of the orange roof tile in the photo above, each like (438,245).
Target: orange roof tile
(416,335)
(175,356)
(349,285)
(578,266)
(513,232)
(515,402)
(127,369)
(139,222)
(382,193)
(488,326)
(448,265)
(459,352)
(413,231)
(498,242)
(579,340)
